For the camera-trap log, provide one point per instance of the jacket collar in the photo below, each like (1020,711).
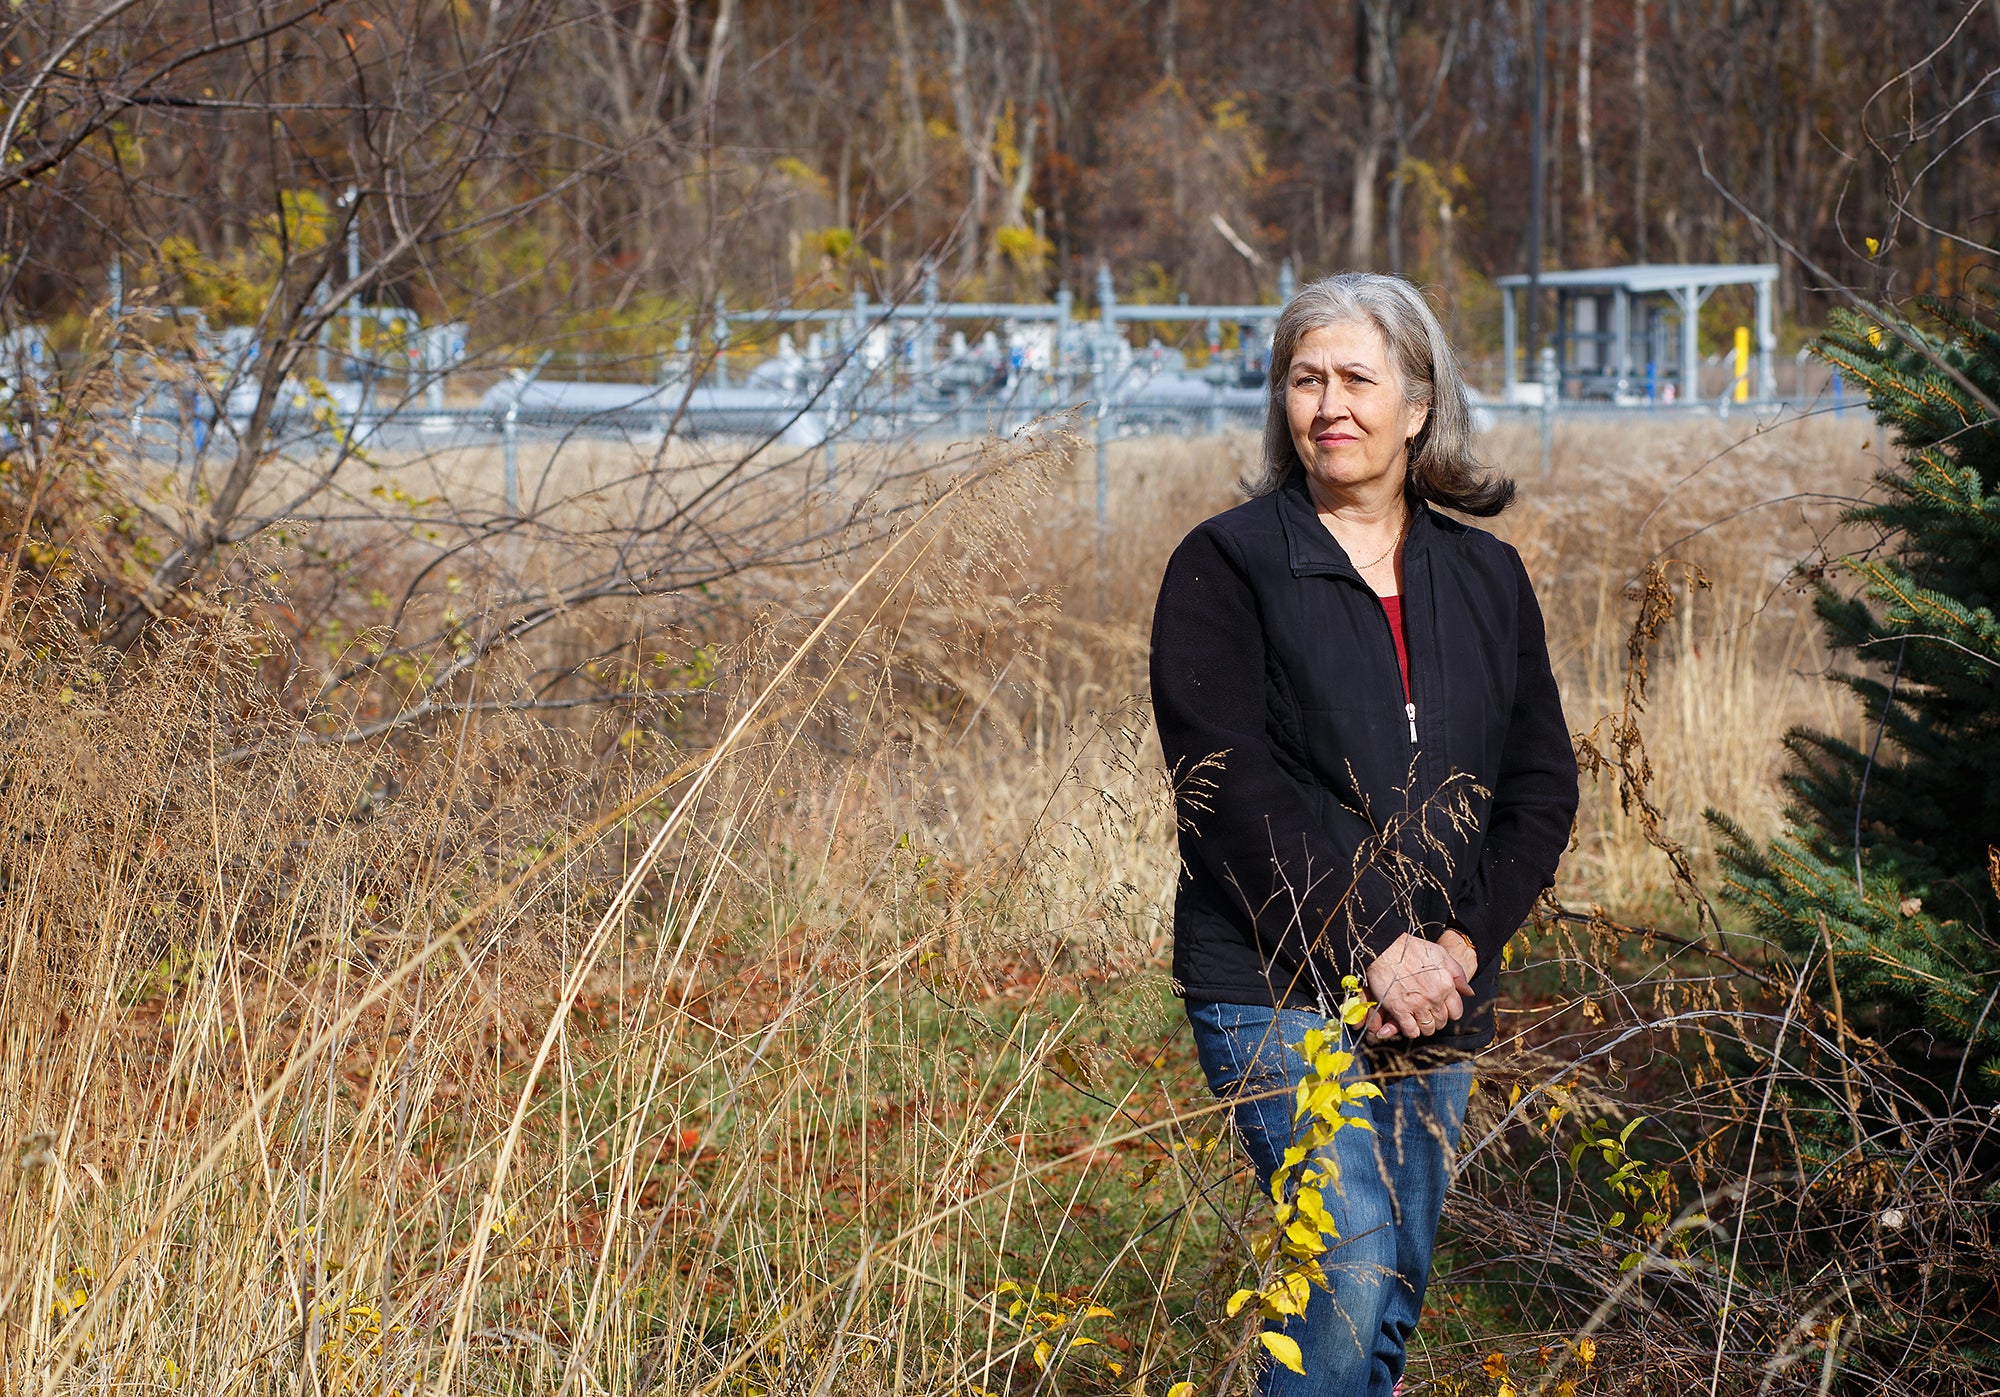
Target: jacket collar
(1311,546)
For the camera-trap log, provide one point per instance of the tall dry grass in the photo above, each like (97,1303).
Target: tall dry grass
(801,1030)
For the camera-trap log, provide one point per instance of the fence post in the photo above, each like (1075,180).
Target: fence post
(1551,390)
(510,475)
(1103,473)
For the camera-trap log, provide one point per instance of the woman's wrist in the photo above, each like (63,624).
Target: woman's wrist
(1461,948)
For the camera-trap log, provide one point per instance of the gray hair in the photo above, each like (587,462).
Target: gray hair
(1443,469)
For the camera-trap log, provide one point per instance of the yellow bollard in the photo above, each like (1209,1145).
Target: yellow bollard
(1742,363)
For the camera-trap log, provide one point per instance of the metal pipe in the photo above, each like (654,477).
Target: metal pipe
(1024,310)
(353,200)
(117,313)
(1551,378)
(1103,472)
(510,475)
(1690,299)
(1238,314)
(1767,345)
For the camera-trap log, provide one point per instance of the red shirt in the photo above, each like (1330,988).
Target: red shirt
(1393,608)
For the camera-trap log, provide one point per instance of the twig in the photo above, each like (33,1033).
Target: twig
(1749,1171)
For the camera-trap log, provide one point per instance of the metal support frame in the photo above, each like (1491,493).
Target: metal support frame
(1637,298)
(1621,335)
(1690,299)
(1767,345)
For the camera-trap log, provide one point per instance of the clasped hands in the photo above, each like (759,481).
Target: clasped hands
(1419,985)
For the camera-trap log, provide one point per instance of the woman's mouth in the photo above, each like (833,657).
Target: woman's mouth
(1331,439)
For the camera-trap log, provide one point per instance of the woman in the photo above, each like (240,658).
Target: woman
(1373,777)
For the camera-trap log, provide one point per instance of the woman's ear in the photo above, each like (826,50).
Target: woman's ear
(1420,416)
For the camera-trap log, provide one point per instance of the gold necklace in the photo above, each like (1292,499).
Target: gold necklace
(1401,530)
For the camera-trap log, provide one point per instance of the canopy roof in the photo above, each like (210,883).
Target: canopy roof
(1651,276)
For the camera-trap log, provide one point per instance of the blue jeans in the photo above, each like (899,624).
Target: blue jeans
(1392,1182)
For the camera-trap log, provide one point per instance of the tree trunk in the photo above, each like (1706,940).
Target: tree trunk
(972,233)
(1641,98)
(1798,177)
(1374,23)
(1586,155)
(1552,142)
(912,145)
(1399,144)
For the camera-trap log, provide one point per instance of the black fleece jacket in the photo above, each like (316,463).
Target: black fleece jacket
(1321,817)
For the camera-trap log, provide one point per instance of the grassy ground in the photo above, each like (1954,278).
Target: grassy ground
(805,1029)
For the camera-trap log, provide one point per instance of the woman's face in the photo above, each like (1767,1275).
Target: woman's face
(1344,400)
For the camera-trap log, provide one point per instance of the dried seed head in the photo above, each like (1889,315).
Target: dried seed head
(37,1152)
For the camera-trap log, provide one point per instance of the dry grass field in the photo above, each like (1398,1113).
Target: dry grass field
(802,1026)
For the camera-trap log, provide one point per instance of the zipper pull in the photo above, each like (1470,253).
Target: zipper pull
(1411,710)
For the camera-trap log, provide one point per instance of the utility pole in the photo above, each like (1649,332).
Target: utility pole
(1535,183)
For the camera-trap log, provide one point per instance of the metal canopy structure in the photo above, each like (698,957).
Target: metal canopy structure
(1613,326)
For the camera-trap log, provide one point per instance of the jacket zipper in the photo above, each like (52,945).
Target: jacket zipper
(1410,702)
(1409,705)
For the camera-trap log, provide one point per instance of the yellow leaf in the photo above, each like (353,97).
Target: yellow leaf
(1586,1351)
(1495,1365)
(1181,1389)
(1873,246)
(1299,1286)
(1285,1349)
(1042,1354)
(1313,1205)
(1117,1370)
(1098,1312)
(1354,1012)
(1282,1300)
(1238,1301)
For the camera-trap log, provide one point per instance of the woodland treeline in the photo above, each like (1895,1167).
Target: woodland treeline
(615,162)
